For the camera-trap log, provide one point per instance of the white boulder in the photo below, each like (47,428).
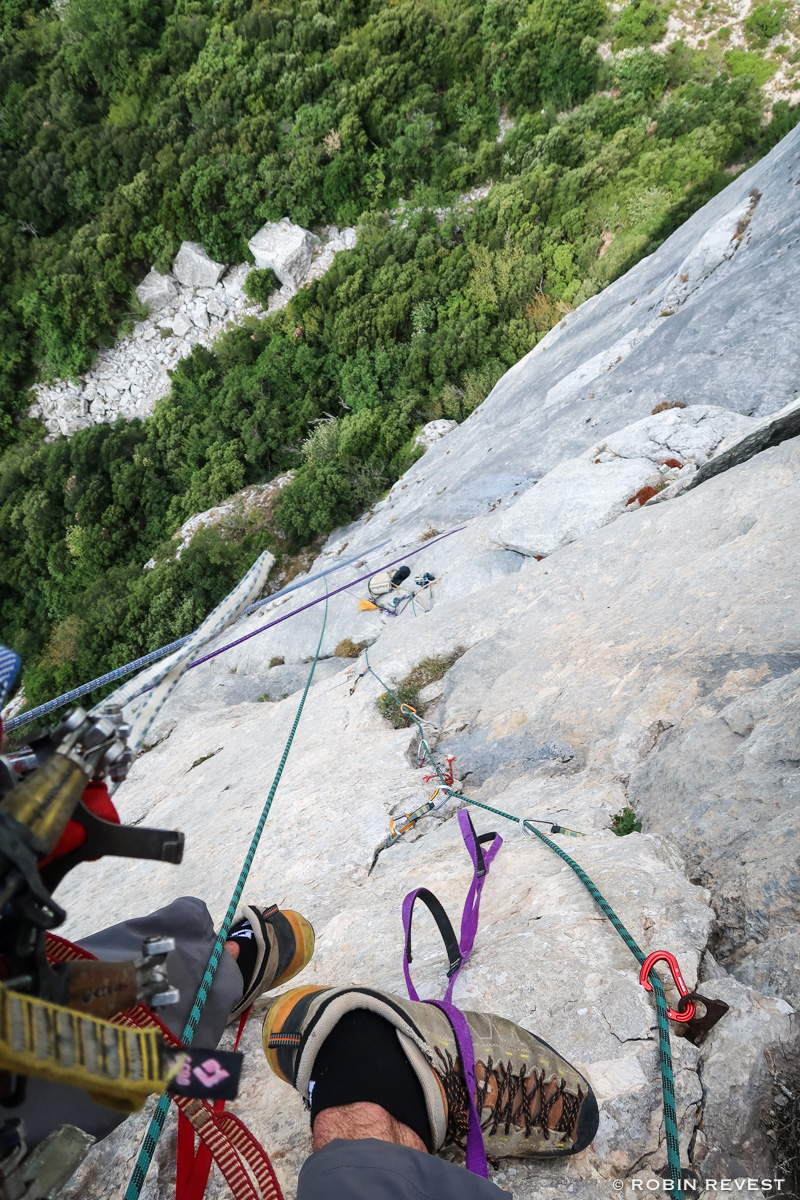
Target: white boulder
(286,248)
(181,325)
(433,432)
(682,434)
(193,267)
(156,291)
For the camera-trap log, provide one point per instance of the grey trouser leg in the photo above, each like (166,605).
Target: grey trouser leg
(368,1169)
(48,1105)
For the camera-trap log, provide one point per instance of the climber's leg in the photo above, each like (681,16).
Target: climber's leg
(279,946)
(376,1169)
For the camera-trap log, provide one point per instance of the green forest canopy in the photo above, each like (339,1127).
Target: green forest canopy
(126,128)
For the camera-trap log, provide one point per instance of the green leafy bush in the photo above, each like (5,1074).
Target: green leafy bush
(765,22)
(640,23)
(408,689)
(625,822)
(746,62)
(259,285)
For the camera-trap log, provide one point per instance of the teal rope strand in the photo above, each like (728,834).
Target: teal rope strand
(155,1129)
(665,1052)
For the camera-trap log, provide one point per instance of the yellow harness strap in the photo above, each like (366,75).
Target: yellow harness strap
(119,1066)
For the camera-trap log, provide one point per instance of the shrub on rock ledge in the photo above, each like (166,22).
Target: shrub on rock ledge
(259,285)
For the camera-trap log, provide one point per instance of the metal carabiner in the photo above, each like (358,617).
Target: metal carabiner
(410,818)
(672,962)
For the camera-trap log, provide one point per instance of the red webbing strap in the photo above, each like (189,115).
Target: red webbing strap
(224,1138)
(254,1155)
(193,1170)
(185,1160)
(201,1116)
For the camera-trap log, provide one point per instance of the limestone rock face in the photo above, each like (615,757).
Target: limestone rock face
(194,268)
(433,432)
(156,290)
(734,804)
(652,661)
(730,343)
(286,248)
(585,493)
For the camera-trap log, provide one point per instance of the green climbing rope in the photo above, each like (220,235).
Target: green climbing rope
(154,1131)
(665,1053)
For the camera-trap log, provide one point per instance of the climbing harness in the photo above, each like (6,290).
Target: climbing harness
(54,1010)
(662,1012)
(457,953)
(223,1137)
(156,1126)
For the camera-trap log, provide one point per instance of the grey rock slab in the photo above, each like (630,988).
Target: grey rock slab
(194,268)
(733,806)
(734,343)
(736,1081)
(556,970)
(690,435)
(570,501)
(757,436)
(156,290)
(286,248)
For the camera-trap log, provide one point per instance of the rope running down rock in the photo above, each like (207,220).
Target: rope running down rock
(154,1131)
(665,1053)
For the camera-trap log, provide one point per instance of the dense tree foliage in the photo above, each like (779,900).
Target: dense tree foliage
(127,128)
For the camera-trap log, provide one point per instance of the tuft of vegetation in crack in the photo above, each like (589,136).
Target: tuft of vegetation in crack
(625,822)
(408,689)
(199,761)
(347,648)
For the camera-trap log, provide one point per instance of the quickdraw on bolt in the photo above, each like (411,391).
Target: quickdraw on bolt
(672,962)
(447,776)
(553,827)
(410,819)
(360,675)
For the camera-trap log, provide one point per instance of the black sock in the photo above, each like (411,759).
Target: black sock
(362,1060)
(248,950)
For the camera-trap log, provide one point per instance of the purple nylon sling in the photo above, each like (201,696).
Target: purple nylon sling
(458,953)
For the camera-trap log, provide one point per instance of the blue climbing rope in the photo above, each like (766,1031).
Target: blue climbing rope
(154,1131)
(665,1052)
(84,689)
(42,709)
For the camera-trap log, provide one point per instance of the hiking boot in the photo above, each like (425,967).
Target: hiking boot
(274,946)
(530,1101)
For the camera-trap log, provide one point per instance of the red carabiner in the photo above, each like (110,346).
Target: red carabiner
(671,960)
